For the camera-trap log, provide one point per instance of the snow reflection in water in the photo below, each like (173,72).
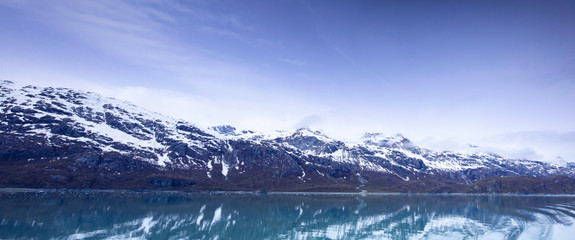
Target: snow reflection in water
(122,215)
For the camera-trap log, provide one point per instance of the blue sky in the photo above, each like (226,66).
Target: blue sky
(498,74)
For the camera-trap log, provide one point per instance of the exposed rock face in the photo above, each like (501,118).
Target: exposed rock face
(55,137)
(524,185)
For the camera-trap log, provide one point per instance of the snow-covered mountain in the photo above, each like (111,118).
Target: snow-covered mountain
(57,137)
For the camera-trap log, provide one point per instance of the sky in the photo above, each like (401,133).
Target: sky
(446,74)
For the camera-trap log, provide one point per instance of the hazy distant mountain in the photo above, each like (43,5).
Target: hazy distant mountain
(62,138)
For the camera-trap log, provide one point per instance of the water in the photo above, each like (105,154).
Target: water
(149,215)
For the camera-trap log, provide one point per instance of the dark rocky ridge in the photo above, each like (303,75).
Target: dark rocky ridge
(61,138)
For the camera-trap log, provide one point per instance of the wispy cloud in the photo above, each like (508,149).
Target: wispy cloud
(309,121)
(339,51)
(553,146)
(306,6)
(143,33)
(136,33)
(221,32)
(293,62)
(541,136)
(229,20)
(231,34)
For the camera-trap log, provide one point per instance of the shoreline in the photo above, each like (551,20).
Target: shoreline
(258,193)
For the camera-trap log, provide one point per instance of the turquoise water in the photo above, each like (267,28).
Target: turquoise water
(152,215)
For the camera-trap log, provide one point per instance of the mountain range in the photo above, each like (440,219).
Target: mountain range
(64,138)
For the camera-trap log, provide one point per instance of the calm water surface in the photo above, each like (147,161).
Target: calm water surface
(124,215)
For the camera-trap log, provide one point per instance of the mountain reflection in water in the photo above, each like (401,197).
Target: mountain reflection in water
(121,215)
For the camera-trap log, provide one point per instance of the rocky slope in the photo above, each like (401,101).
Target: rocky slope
(62,138)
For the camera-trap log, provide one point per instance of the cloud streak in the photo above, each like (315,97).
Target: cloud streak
(551,146)
(142,34)
(340,52)
(293,62)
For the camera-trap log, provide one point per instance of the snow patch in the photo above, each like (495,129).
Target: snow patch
(225,168)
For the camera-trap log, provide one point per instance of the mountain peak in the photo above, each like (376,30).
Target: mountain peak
(308,130)
(381,140)
(224,129)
